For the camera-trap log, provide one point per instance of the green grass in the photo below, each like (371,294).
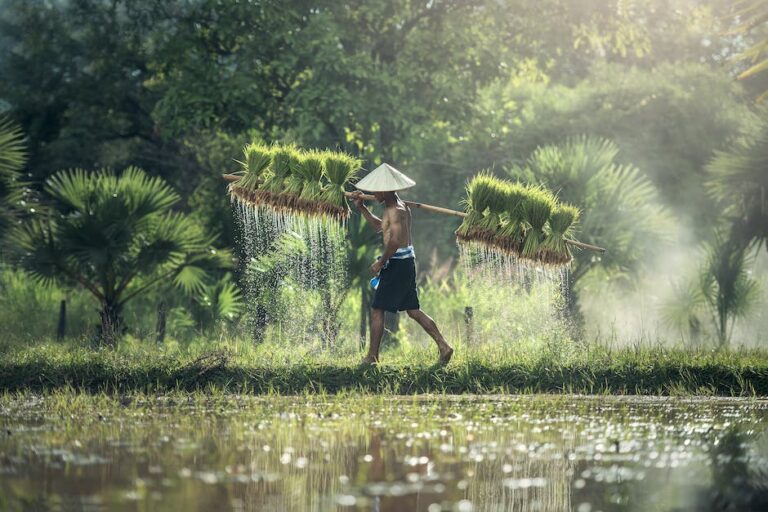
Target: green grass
(238,366)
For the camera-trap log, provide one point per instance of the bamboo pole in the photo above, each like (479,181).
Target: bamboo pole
(232,178)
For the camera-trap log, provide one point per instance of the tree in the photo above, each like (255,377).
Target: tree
(12,159)
(621,207)
(117,237)
(738,180)
(663,121)
(721,292)
(726,288)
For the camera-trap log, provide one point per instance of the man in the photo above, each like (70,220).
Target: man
(396,268)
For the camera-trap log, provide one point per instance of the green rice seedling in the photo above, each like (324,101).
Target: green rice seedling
(258,158)
(537,209)
(490,223)
(340,169)
(479,191)
(293,183)
(512,230)
(283,158)
(561,227)
(311,172)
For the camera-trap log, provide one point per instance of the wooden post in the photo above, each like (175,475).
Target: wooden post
(61,328)
(469,314)
(161,316)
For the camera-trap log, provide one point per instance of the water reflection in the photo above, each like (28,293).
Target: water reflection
(537,453)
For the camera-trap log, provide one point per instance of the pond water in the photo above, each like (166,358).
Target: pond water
(427,453)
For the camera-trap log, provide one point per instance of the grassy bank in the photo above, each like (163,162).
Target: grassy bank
(241,367)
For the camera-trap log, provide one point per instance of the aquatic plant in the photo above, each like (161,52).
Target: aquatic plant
(561,227)
(512,228)
(311,171)
(537,208)
(496,200)
(282,158)
(294,183)
(258,158)
(479,191)
(340,169)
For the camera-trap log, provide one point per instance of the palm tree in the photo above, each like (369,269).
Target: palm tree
(726,288)
(116,237)
(621,207)
(721,291)
(738,180)
(12,159)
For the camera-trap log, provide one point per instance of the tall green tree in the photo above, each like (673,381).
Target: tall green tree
(117,237)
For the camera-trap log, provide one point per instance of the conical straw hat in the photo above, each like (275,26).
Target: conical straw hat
(385,178)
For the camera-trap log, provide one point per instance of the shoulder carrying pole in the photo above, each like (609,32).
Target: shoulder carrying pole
(231,178)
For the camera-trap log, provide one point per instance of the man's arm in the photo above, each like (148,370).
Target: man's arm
(373,220)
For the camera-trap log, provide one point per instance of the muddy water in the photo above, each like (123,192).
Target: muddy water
(528,453)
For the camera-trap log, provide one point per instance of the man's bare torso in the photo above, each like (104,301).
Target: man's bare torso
(400,215)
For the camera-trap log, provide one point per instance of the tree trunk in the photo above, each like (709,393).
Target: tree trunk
(329,316)
(391,328)
(161,321)
(61,328)
(111,324)
(469,325)
(723,320)
(259,322)
(572,311)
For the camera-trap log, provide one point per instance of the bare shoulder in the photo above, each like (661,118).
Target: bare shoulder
(398,213)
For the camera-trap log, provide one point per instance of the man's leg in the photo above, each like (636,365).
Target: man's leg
(429,325)
(377,331)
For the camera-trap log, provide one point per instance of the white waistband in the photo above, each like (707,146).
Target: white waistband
(404,253)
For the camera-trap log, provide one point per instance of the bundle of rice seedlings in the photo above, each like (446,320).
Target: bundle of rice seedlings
(561,227)
(489,225)
(293,183)
(340,169)
(510,236)
(258,157)
(311,171)
(479,191)
(283,158)
(537,208)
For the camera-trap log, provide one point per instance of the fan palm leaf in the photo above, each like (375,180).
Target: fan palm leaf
(116,236)
(739,182)
(621,207)
(13,156)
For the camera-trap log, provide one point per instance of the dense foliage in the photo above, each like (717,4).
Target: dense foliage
(442,89)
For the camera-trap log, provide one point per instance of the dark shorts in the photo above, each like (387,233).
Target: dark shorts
(397,286)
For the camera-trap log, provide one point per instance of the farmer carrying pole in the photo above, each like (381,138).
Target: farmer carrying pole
(396,268)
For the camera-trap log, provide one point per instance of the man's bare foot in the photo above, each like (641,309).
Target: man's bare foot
(445,355)
(369,361)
